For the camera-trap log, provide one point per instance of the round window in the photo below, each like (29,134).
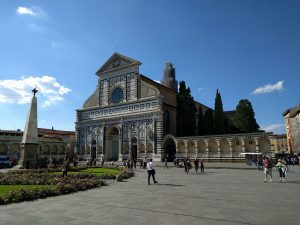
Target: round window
(117,95)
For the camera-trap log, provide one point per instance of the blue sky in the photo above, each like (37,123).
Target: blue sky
(246,49)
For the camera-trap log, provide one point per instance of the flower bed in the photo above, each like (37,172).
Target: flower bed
(79,180)
(60,185)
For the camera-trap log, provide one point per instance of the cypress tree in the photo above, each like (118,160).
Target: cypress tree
(244,119)
(200,121)
(219,115)
(180,111)
(186,112)
(208,122)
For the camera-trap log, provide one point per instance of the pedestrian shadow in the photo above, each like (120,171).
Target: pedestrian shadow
(291,182)
(201,174)
(172,185)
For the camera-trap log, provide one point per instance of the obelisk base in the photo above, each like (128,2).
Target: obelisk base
(28,155)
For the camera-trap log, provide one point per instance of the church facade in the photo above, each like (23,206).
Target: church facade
(127,114)
(130,115)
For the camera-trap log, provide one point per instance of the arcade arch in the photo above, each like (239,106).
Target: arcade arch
(237,147)
(212,148)
(201,149)
(224,148)
(264,145)
(250,145)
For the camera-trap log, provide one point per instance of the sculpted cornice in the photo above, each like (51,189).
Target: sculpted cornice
(123,119)
(121,110)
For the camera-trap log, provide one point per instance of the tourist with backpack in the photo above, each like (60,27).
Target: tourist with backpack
(282,168)
(268,165)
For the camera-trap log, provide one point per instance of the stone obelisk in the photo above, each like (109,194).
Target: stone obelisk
(29,144)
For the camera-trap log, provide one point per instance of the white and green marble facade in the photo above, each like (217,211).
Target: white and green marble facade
(128,126)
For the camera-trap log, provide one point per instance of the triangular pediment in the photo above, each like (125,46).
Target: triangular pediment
(117,61)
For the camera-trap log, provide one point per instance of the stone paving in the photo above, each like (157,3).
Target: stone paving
(217,197)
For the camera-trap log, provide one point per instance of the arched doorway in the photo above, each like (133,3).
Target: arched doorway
(15,151)
(149,151)
(169,149)
(212,148)
(250,145)
(46,151)
(264,146)
(224,148)
(133,148)
(3,149)
(237,147)
(112,147)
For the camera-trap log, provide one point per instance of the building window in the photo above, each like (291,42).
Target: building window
(117,95)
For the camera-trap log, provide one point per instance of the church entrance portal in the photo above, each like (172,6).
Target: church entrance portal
(113,144)
(115,150)
(170,149)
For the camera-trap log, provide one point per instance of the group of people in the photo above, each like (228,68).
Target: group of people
(187,164)
(93,162)
(130,163)
(279,164)
(268,164)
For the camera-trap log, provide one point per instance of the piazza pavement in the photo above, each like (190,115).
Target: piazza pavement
(224,194)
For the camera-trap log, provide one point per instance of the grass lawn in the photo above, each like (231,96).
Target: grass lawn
(96,171)
(4,189)
(100,171)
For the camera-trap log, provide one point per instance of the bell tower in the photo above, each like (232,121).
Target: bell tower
(169,77)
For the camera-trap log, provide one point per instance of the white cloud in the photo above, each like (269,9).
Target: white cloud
(157,81)
(26,11)
(200,89)
(56,44)
(19,91)
(269,88)
(275,128)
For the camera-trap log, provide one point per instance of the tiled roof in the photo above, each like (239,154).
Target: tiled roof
(293,111)
(41,131)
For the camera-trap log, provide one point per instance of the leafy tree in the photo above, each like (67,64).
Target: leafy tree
(244,119)
(208,122)
(219,115)
(186,112)
(200,121)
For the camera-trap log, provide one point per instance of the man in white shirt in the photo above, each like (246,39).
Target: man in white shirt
(151,171)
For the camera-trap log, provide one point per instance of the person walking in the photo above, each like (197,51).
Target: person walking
(75,163)
(166,163)
(145,162)
(201,165)
(175,162)
(281,169)
(141,163)
(267,164)
(196,164)
(66,167)
(151,171)
(187,166)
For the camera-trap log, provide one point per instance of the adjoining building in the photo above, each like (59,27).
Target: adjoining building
(280,143)
(52,144)
(131,115)
(292,124)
